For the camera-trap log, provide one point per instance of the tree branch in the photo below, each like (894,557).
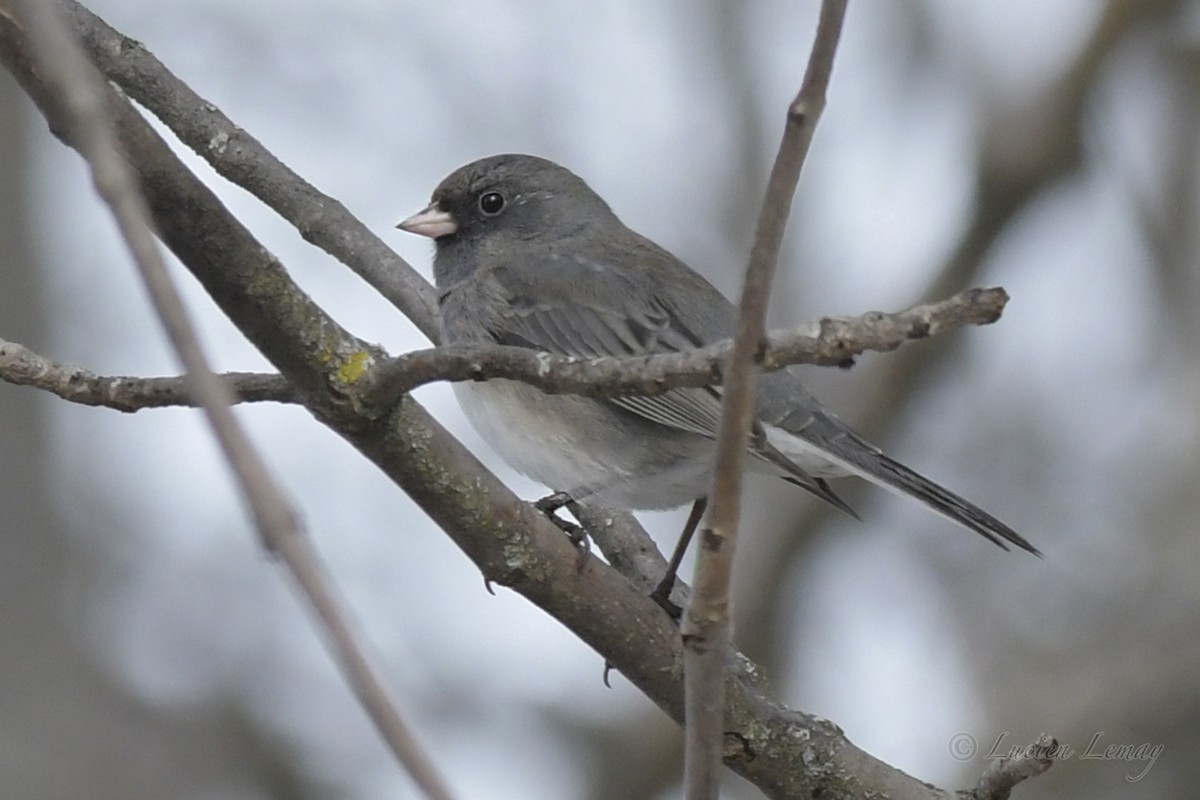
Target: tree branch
(706,624)
(241,159)
(22,367)
(835,342)
(1049,133)
(82,105)
(998,781)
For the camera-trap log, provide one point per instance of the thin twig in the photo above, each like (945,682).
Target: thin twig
(83,97)
(1004,189)
(828,342)
(22,367)
(1004,773)
(835,342)
(239,157)
(706,625)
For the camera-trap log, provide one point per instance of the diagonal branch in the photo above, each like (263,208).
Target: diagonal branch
(998,781)
(706,625)
(242,159)
(82,106)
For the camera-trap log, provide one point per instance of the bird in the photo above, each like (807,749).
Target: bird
(526,254)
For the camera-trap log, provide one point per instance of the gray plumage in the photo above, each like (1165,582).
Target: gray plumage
(528,255)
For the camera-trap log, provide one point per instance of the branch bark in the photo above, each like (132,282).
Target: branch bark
(706,624)
(998,781)
(242,159)
(835,342)
(81,103)
(21,366)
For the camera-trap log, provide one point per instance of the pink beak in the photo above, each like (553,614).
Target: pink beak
(430,221)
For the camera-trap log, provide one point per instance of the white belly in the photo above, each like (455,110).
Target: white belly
(589,450)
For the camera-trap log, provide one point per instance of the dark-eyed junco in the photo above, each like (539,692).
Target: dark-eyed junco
(528,255)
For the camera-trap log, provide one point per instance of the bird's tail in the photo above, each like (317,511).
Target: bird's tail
(892,475)
(849,452)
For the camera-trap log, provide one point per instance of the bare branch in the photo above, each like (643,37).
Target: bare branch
(240,158)
(706,625)
(624,543)
(834,342)
(1050,133)
(82,100)
(22,367)
(998,781)
(79,93)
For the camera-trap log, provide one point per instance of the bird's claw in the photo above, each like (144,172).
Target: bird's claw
(552,502)
(662,596)
(549,506)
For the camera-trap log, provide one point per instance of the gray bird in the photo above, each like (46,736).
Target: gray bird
(528,255)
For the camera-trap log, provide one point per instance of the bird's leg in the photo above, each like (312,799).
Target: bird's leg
(549,505)
(662,592)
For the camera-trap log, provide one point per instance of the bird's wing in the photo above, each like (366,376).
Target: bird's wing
(608,316)
(609,319)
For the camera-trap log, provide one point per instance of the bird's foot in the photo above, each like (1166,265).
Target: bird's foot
(662,596)
(549,506)
(552,502)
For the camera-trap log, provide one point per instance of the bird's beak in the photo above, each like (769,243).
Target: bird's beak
(430,221)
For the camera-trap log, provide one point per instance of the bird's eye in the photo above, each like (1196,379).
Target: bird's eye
(491,203)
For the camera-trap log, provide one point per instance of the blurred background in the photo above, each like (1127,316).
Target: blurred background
(148,647)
